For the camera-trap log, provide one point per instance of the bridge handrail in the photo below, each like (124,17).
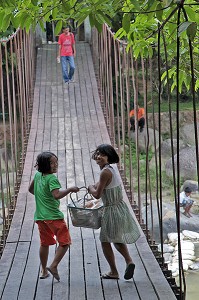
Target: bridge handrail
(17,65)
(119,87)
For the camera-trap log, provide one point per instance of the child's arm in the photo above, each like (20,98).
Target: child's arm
(74,50)
(95,185)
(58,194)
(31,188)
(97,189)
(59,51)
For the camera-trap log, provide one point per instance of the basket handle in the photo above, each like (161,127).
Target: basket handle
(86,195)
(82,187)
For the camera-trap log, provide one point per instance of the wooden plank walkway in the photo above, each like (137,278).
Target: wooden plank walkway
(68,120)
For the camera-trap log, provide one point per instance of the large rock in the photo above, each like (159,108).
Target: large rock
(187,164)
(166,152)
(192,235)
(185,117)
(166,147)
(187,133)
(144,141)
(192,184)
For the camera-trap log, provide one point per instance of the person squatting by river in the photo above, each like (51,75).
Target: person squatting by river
(186,202)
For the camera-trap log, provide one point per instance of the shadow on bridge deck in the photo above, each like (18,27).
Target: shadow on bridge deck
(68,120)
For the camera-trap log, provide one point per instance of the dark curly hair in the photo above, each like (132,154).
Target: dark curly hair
(108,150)
(188,190)
(43,162)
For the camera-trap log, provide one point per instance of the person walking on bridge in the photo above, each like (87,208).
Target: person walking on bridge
(118,225)
(66,54)
(50,220)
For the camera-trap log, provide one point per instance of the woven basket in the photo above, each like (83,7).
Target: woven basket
(82,216)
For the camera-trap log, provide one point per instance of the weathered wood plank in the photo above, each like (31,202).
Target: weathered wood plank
(6,264)
(28,220)
(42,97)
(110,287)
(47,101)
(44,286)
(32,269)
(50,62)
(76,266)
(38,67)
(17,221)
(86,112)
(61,134)
(15,277)
(47,133)
(94,288)
(76,260)
(43,64)
(81,120)
(54,133)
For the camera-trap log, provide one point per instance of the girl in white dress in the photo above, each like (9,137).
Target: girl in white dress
(118,226)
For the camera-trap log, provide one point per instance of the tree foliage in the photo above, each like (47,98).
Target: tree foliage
(141,20)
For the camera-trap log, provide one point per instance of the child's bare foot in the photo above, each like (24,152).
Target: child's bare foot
(54,272)
(186,214)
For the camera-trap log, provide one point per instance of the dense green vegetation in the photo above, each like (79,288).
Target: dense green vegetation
(7,32)
(188,105)
(152,176)
(185,103)
(141,22)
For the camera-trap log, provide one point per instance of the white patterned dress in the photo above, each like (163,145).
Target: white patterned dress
(118,225)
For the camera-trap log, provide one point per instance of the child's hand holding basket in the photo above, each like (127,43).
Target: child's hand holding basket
(85,211)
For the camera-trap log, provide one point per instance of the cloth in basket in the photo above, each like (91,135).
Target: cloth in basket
(82,216)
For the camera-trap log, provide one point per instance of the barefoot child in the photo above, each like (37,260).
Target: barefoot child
(50,220)
(186,202)
(118,226)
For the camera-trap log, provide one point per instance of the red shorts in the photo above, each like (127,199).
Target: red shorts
(53,231)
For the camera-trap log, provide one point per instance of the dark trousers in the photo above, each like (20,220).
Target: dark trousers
(141,123)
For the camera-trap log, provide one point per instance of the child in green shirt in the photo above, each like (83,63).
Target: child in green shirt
(50,220)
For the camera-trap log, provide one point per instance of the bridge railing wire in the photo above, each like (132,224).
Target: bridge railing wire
(17,68)
(119,87)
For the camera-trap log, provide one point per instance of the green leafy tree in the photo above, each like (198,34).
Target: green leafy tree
(141,21)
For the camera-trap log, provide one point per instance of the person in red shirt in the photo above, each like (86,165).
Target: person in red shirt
(67,52)
(140,118)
